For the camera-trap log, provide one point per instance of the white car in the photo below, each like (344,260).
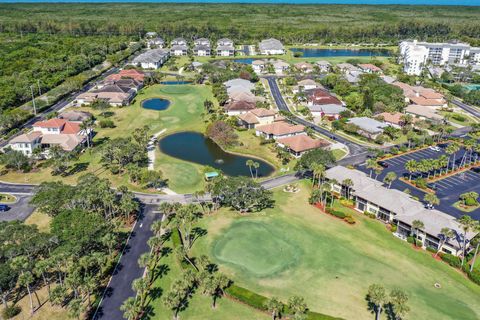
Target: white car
(434,148)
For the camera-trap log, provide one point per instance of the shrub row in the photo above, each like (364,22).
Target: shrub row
(452,260)
(257,301)
(340,214)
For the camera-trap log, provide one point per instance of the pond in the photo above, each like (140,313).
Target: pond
(156,104)
(315,53)
(472,86)
(195,147)
(245,60)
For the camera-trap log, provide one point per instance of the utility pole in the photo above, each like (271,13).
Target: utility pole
(39,89)
(33,101)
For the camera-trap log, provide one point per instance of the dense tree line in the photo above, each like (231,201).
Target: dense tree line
(243,22)
(38,62)
(74,257)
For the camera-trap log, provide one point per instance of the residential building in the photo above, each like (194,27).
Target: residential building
(331,111)
(202,47)
(179,42)
(299,144)
(280,67)
(416,55)
(424,113)
(258,117)
(244,96)
(279,130)
(127,73)
(369,68)
(398,208)
(56,126)
(307,84)
(324,66)
(392,118)
(239,85)
(259,66)
(368,127)
(154,43)
(75,116)
(235,108)
(421,96)
(271,46)
(322,97)
(304,67)
(347,67)
(179,50)
(151,59)
(225,48)
(26,143)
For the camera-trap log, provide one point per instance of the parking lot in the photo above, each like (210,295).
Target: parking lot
(448,189)
(20,210)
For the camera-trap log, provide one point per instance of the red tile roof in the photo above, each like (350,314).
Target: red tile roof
(370,66)
(51,123)
(127,73)
(71,128)
(319,97)
(240,106)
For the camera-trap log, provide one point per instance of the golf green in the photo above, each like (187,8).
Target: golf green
(257,248)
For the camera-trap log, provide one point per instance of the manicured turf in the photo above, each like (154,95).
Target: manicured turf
(256,248)
(335,263)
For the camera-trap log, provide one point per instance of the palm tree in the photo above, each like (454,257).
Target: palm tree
(468,144)
(347,183)
(256,165)
(477,229)
(389,178)
(445,235)
(431,199)
(297,305)
(25,279)
(275,307)
(411,166)
(452,149)
(249,164)
(467,224)
(140,286)
(371,164)
(86,125)
(378,171)
(214,286)
(398,302)
(417,225)
(376,298)
(130,308)
(443,162)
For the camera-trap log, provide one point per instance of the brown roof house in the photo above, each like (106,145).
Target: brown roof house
(369,68)
(304,67)
(279,130)
(299,144)
(421,96)
(236,108)
(258,117)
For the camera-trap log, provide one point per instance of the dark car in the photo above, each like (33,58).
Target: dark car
(475,169)
(4,207)
(382,164)
(442,145)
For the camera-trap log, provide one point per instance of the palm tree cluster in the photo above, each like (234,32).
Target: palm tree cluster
(255,165)
(69,261)
(395,304)
(295,307)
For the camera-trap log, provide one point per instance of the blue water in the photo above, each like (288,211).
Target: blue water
(315,53)
(195,147)
(245,60)
(372,2)
(156,104)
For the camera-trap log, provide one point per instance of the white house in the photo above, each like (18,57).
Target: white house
(179,50)
(225,48)
(26,143)
(259,66)
(271,46)
(151,59)
(280,67)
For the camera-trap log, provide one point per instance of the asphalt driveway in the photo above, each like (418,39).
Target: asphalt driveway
(19,210)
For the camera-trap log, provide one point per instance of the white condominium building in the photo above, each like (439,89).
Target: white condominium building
(415,55)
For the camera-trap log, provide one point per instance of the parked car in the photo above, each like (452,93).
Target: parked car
(434,148)
(475,169)
(442,145)
(4,207)
(382,164)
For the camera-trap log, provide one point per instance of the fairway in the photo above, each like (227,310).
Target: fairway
(257,248)
(294,249)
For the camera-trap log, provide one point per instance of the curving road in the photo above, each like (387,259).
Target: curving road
(358,152)
(472,110)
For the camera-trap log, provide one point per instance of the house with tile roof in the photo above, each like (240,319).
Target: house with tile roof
(300,144)
(369,68)
(156,42)
(280,129)
(257,117)
(127,74)
(304,67)
(323,66)
(225,48)
(26,143)
(368,127)
(322,97)
(271,46)
(151,59)
(235,108)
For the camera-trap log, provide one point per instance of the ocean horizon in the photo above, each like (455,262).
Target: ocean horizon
(363,2)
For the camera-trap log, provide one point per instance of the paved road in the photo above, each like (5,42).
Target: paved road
(19,210)
(355,148)
(60,104)
(472,110)
(127,270)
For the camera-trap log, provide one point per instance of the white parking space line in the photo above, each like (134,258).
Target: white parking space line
(394,161)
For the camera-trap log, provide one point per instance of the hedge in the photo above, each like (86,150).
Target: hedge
(258,302)
(452,260)
(339,214)
(474,276)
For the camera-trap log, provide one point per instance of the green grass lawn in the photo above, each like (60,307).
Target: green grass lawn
(294,249)
(7,198)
